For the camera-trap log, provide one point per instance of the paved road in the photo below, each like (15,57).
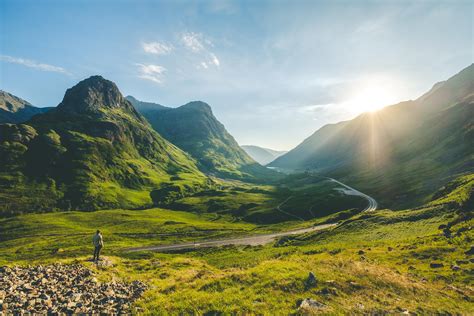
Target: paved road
(259,239)
(249,240)
(372,203)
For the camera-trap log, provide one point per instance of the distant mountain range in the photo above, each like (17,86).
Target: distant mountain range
(92,151)
(16,110)
(402,153)
(262,155)
(97,149)
(194,128)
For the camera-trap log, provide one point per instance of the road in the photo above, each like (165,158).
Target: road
(372,203)
(249,240)
(259,239)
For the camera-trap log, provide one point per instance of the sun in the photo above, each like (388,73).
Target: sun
(370,97)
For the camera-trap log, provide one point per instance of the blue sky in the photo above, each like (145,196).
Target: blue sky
(273,71)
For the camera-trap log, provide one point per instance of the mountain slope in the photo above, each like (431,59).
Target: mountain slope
(93,151)
(194,128)
(402,152)
(16,110)
(262,155)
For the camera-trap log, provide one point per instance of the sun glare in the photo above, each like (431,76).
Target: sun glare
(371,97)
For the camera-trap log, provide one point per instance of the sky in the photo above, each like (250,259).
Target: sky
(273,71)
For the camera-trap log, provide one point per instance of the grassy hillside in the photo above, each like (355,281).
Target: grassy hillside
(401,153)
(415,261)
(295,198)
(194,128)
(93,151)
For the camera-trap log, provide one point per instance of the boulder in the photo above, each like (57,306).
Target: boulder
(311,281)
(310,305)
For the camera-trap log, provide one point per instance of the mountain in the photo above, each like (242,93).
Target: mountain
(262,155)
(194,128)
(16,110)
(94,150)
(401,153)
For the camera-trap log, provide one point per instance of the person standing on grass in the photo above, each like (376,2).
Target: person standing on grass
(98,244)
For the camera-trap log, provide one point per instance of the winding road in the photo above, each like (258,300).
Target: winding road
(263,238)
(349,190)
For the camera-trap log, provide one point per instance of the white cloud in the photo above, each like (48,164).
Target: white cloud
(157,48)
(194,41)
(151,72)
(215,60)
(200,45)
(33,64)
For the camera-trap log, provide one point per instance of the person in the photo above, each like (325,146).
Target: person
(98,244)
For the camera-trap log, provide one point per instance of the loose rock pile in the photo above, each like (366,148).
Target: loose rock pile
(60,288)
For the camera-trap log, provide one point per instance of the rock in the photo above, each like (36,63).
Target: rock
(389,248)
(328,291)
(361,252)
(310,305)
(455,267)
(63,289)
(311,281)
(436,265)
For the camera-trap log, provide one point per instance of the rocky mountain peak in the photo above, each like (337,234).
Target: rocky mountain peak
(11,103)
(92,95)
(197,105)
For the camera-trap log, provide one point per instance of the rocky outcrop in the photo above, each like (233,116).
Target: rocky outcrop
(63,289)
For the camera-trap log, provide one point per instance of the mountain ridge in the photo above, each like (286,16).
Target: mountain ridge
(379,145)
(194,128)
(14,109)
(261,154)
(92,151)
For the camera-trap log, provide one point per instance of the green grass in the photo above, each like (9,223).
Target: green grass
(40,236)
(373,263)
(307,197)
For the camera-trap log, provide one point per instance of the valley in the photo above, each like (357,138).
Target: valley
(380,261)
(192,224)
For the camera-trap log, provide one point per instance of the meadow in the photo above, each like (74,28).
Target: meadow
(415,260)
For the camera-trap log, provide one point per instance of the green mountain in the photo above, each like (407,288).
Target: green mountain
(94,150)
(401,153)
(16,110)
(194,128)
(262,155)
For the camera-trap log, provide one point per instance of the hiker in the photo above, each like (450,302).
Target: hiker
(98,244)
